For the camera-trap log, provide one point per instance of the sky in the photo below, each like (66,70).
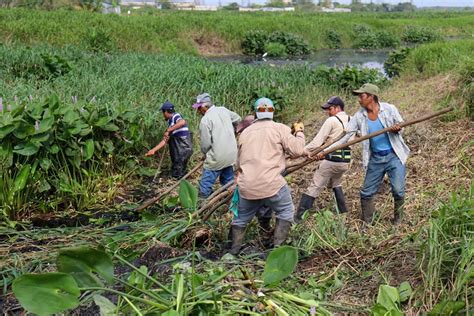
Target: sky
(418,3)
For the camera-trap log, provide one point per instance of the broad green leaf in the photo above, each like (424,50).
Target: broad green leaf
(5,130)
(405,291)
(27,149)
(88,149)
(24,130)
(45,125)
(22,178)
(6,155)
(102,121)
(39,138)
(82,262)
(170,312)
(71,116)
(46,294)
(45,164)
(54,149)
(106,307)
(110,127)
(447,308)
(188,195)
(43,186)
(108,146)
(280,263)
(388,297)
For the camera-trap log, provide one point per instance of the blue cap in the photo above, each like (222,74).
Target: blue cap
(167,106)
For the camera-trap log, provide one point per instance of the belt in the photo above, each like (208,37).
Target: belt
(383,152)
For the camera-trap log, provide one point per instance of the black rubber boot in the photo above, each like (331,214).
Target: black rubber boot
(238,235)
(340,200)
(282,228)
(398,211)
(368,210)
(265,231)
(306,203)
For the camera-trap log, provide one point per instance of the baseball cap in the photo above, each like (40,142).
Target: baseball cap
(332,102)
(201,99)
(167,106)
(368,88)
(264,103)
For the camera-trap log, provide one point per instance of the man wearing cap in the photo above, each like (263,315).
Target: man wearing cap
(334,166)
(218,143)
(383,154)
(179,138)
(261,160)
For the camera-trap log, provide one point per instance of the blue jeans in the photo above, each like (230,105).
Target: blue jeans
(281,203)
(378,166)
(209,177)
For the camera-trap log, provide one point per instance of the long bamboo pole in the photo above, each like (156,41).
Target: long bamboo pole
(323,149)
(159,197)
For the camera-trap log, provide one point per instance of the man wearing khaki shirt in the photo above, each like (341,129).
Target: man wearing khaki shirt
(334,166)
(260,163)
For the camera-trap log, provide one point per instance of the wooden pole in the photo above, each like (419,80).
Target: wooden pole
(159,197)
(323,150)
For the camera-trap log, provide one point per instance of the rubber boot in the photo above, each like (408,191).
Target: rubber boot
(238,235)
(368,210)
(282,228)
(265,231)
(398,211)
(306,203)
(340,200)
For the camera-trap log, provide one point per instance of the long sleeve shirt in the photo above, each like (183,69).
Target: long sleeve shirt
(261,158)
(388,115)
(218,137)
(331,129)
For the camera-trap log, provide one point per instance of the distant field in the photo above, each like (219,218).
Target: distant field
(209,33)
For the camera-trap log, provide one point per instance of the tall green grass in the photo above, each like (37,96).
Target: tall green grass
(173,31)
(448,256)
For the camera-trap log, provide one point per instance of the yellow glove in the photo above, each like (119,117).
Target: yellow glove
(297,127)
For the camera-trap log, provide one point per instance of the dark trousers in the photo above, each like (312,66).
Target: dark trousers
(181,149)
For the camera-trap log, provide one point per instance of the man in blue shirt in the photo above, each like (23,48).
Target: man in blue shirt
(384,154)
(179,138)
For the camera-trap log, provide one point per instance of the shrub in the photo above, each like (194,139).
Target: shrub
(333,39)
(254,43)
(99,41)
(366,41)
(387,40)
(395,62)
(348,77)
(420,35)
(275,49)
(360,29)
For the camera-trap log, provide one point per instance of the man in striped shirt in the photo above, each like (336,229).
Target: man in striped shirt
(179,139)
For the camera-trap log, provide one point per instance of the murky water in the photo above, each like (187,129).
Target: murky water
(330,57)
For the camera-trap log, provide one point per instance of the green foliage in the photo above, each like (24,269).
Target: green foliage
(275,49)
(395,62)
(256,42)
(188,195)
(333,38)
(387,40)
(347,77)
(388,302)
(281,262)
(83,263)
(46,294)
(372,40)
(420,35)
(466,84)
(98,40)
(447,254)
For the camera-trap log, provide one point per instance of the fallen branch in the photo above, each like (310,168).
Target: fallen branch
(159,197)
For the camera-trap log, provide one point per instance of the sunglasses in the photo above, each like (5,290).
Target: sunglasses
(262,109)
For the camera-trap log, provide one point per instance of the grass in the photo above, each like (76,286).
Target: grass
(208,32)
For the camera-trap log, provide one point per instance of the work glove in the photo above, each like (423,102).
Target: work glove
(297,127)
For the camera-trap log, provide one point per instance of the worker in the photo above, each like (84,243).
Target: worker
(384,154)
(218,144)
(179,138)
(260,163)
(333,167)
